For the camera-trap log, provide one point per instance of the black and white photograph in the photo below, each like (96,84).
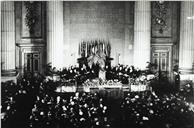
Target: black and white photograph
(97,64)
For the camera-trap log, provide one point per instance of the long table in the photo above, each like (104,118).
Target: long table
(114,92)
(123,87)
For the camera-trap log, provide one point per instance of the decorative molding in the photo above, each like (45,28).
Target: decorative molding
(159,15)
(32,20)
(161,44)
(31,45)
(162,19)
(31,41)
(161,40)
(32,15)
(30,28)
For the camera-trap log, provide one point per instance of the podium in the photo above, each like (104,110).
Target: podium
(102,75)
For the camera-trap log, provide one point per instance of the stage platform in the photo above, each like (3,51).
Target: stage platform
(123,87)
(115,92)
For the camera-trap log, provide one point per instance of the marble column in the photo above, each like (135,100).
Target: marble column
(142,33)
(7,39)
(55,46)
(186,48)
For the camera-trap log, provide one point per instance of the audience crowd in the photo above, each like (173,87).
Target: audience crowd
(33,102)
(37,105)
(148,110)
(8,109)
(79,111)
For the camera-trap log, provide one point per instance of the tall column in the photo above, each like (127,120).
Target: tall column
(66,35)
(142,33)
(7,38)
(186,48)
(55,45)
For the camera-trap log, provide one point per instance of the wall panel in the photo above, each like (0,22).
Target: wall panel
(111,21)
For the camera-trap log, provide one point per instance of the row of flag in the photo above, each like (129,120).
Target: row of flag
(87,48)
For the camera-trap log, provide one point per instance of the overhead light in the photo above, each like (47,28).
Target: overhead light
(130,47)
(190,17)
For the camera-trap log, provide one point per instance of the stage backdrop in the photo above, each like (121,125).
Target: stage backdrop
(111,21)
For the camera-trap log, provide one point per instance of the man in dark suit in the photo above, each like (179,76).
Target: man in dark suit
(177,80)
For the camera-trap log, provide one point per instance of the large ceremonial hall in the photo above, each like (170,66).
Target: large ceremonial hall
(97,64)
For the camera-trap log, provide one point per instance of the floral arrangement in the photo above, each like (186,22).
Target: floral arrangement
(97,82)
(97,59)
(142,80)
(128,75)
